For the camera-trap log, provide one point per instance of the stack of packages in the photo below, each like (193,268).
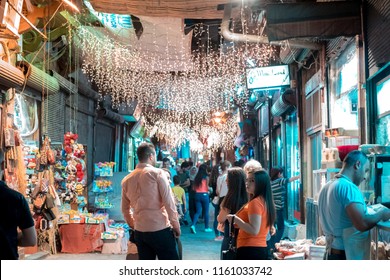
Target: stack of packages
(297,250)
(115,238)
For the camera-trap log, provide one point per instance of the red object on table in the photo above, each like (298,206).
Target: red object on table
(81,238)
(344,150)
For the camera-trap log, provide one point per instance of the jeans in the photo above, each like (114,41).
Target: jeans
(160,244)
(279,229)
(191,204)
(202,202)
(216,213)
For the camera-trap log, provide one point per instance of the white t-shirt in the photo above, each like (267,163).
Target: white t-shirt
(222,187)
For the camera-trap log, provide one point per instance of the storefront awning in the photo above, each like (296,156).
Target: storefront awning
(307,20)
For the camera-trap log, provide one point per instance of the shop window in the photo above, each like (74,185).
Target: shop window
(343,90)
(383,89)
(383,131)
(313,112)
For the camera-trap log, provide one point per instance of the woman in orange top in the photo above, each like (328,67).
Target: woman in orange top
(255,219)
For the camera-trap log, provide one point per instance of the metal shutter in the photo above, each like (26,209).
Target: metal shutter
(378,39)
(55,107)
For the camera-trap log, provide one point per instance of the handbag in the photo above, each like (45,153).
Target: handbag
(48,214)
(231,252)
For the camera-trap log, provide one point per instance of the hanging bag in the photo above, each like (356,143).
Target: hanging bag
(231,252)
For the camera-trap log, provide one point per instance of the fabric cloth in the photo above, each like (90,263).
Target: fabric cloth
(81,238)
(254,207)
(15,214)
(333,199)
(178,192)
(222,188)
(146,190)
(279,187)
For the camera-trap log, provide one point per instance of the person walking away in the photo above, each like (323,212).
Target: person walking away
(181,198)
(148,206)
(235,198)
(221,191)
(255,219)
(343,213)
(191,193)
(279,191)
(202,199)
(16,215)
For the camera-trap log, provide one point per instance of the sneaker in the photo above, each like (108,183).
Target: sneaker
(208,230)
(218,238)
(192,228)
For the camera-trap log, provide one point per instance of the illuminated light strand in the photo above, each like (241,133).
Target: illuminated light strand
(183,99)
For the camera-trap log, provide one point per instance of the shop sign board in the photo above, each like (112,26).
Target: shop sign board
(267,77)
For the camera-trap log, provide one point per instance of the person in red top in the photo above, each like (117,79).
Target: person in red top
(202,200)
(255,219)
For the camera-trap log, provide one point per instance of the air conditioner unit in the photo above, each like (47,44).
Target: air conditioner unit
(9,18)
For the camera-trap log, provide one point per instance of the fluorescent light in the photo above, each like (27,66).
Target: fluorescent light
(70,4)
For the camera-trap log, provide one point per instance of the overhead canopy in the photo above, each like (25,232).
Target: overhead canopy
(194,9)
(321,20)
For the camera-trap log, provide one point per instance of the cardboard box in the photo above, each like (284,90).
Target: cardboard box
(63,219)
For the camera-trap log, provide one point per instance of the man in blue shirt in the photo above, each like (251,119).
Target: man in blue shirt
(343,213)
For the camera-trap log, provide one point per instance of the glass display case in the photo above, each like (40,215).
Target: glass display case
(381,178)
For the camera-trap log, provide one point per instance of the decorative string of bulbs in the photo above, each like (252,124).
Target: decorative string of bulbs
(177,105)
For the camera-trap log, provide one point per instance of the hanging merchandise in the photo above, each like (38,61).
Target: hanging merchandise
(102,184)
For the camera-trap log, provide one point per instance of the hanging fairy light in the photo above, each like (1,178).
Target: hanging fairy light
(176,106)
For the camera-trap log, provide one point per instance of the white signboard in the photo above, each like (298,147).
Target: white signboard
(265,77)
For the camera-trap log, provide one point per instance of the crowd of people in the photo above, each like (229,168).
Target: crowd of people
(166,199)
(158,202)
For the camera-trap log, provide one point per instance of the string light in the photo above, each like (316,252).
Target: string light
(177,106)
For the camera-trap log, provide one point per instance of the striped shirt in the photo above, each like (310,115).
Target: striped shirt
(279,187)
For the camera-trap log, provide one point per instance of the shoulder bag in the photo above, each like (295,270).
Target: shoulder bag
(231,252)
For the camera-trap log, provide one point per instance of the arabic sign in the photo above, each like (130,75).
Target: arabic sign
(264,77)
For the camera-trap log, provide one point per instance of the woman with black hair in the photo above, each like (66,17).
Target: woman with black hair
(255,219)
(235,198)
(202,199)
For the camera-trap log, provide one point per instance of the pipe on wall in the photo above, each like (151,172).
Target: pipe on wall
(108,114)
(10,76)
(38,79)
(231,36)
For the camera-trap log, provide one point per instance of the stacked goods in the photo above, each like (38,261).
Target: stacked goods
(289,248)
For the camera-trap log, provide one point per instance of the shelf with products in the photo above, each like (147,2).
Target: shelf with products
(102,184)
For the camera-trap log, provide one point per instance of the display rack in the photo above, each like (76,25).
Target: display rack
(102,185)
